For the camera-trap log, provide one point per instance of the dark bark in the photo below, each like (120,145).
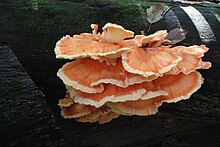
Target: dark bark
(194,122)
(25,119)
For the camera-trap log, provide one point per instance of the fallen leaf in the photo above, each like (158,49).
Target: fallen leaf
(156,12)
(175,36)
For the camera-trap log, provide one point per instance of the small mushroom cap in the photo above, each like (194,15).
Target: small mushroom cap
(70,109)
(156,39)
(149,61)
(75,110)
(115,33)
(191,59)
(107,116)
(86,45)
(114,93)
(88,75)
(179,87)
(101,115)
(93,116)
(85,113)
(65,102)
(95,28)
(138,40)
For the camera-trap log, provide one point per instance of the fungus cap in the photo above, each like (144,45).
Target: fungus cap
(191,59)
(115,33)
(86,45)
(179,87)
(149,61)
(156,39)
(88,75)
(75,110)
(114,93)
(138,107)
(65,102)
(101,116)
(95,28)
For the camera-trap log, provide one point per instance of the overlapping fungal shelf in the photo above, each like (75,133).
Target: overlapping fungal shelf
(111,76)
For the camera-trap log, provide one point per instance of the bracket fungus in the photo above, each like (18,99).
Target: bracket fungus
(85,113)
(115,33)
(191,59)
(84,76)
(113,93)
(108,44)
(111,76)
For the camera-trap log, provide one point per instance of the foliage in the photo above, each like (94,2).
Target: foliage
(33,4)
(156,12)
(126,2)
(175,36)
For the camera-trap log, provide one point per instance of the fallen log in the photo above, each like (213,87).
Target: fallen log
(195,122)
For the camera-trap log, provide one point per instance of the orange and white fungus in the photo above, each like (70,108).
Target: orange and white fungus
(116,73)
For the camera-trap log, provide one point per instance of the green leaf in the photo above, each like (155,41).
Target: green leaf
(156,12)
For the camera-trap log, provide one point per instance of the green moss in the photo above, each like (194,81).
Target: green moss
(53,15)
(54,19)
(213,9)
(72,18)
(126,2)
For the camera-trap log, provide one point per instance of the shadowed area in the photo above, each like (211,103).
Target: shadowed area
(32,30)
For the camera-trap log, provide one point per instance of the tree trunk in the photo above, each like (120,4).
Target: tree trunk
(32,35)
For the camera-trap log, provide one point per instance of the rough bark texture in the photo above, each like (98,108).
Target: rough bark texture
(25,119)
(32,36)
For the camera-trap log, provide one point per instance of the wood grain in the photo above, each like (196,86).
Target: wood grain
(194,122)
(25,119)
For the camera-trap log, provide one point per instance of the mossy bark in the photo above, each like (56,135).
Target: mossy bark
(32,36)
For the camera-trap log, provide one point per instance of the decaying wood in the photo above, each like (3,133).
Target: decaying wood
(25,119)
(194,122)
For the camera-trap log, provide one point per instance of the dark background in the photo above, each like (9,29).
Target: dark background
(32,29)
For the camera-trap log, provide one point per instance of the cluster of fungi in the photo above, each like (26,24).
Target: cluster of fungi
(116,73)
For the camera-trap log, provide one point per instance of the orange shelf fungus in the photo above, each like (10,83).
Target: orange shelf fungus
(149,61)
(69,109)
(179,87)
(115,74)
(108,44)
(139,107)
(191,59)
(155,39)
(115,33)
(84,76)
(85,113)
(113,93)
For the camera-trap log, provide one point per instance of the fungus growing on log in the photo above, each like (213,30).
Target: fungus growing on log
(113,93)
(88,75)
(85,113)
(109,43)
(179,87)
(149,61)
(112,76)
